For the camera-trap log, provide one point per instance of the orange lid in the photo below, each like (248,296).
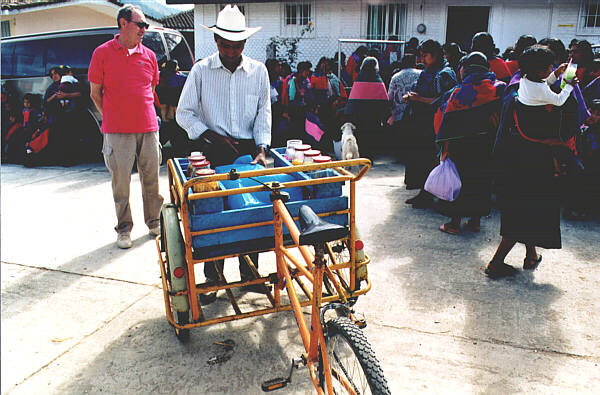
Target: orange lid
(204,172)
(322,159)
(302,147)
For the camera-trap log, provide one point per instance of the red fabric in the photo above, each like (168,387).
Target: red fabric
(39,140)
(13,129)
(498,67)
(351,68)
(343,92)
(513,66)
(285,94)
(26,112)
(127,82)
(551,142)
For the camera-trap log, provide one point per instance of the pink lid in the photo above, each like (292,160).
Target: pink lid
(302,147)
(322,159)
(196,157)
(312,152)
(200,163)
(204,172)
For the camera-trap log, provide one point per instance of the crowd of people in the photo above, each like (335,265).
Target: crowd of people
(514,125)
(51,129)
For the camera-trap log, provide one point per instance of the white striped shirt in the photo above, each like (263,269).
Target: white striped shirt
(232,104)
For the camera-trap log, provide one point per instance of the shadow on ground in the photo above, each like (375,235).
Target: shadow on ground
(148,358)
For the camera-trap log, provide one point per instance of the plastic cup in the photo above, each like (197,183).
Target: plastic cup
(569,74)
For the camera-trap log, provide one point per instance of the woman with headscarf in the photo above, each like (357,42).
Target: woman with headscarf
(484,43)
(524,42)
(437,78)
(368,104)
(466,123)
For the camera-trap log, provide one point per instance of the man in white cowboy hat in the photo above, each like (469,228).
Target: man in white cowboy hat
(225,105)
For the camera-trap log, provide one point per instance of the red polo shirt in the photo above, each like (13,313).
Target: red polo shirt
(127,82)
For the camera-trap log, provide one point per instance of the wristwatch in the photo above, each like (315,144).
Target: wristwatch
(264,146)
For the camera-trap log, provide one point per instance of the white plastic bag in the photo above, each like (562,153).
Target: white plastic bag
(443,181)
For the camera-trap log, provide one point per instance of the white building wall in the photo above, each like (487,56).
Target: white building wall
(335,19)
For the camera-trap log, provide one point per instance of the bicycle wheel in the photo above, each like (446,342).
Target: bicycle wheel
(351,360)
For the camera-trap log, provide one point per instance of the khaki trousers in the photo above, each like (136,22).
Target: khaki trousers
(120,151)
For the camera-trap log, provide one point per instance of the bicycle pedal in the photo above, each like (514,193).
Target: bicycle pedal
(274,384)
(281,382)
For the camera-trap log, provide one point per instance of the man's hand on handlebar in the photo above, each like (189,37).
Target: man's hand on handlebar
(261,156)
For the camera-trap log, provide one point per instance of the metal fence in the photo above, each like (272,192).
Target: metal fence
(306,49)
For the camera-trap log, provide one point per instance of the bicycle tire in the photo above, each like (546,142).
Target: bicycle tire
(350,353)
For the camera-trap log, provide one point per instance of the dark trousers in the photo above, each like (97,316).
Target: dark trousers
(222,154)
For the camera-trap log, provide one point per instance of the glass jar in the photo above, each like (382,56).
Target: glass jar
(290,149)
(205,186)
(322,159)
(197,164)
(310,155)
(299,154)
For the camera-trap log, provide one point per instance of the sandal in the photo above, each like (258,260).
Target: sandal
(499,270)
(531,264)
(469,225)
(447,228)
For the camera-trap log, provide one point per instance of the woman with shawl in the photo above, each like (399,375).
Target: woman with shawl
(437,78)
(529,137)
(368,104)
(465,123)
(484,43)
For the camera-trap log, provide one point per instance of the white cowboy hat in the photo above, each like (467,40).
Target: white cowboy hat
(231,25)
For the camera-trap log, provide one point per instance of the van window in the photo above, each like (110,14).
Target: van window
(153,41)
(29,59)
(179,50)
(74,51)
(8,51)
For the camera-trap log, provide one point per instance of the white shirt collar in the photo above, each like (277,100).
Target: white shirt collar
(216,63)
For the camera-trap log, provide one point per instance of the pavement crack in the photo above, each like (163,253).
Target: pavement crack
(81,274)
(100,327)
(496,342)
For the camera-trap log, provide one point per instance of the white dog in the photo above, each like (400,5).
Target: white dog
(347,148)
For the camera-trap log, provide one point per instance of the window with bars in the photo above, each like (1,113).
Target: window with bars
(385,20)
(298,14)
(590,14)
(5,28)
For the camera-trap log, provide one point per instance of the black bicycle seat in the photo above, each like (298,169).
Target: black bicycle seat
(315,230)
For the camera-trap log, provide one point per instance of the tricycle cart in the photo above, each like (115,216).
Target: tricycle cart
(320,264)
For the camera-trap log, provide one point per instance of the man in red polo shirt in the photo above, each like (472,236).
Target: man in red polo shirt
(122,75)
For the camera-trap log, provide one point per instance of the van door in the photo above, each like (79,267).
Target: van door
(179,50)
(154,41)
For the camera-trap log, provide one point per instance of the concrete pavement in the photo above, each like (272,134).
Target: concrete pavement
(80,315)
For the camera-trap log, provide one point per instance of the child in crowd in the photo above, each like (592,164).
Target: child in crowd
(537,77)
(31,108)
(14,141)
(68,88)
(36,147)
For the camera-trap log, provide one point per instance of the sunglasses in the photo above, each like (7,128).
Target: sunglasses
(142,25)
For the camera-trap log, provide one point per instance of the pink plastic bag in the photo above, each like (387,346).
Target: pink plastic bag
(443,181)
